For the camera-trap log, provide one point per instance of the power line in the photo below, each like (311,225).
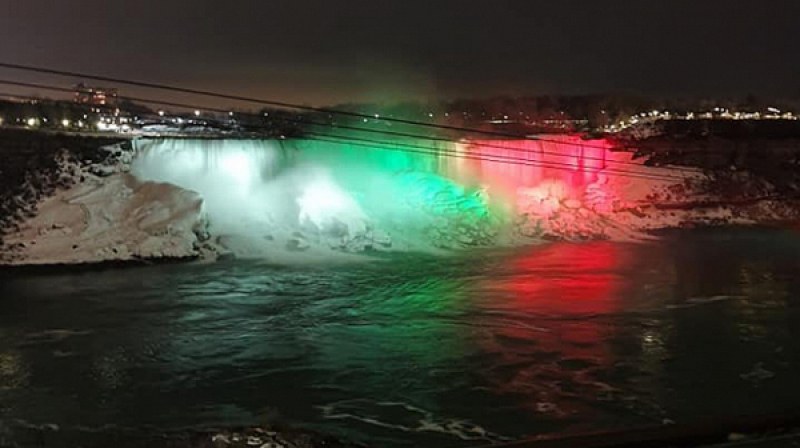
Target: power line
(427,149)
(359,129)
(267,102)
(340,139)
(396,146)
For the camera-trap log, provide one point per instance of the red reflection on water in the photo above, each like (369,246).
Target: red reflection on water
(559,296)
(567,278)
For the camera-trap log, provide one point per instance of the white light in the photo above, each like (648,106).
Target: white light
(197,113)
(237,166)
(161,113)
(65,123)
(31,121)
(230,114)
(322,202)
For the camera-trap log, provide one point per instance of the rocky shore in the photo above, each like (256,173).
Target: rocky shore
(243,437)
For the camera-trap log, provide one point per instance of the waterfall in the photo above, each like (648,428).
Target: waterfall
(263,196)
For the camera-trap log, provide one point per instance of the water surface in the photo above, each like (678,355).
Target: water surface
(412,350)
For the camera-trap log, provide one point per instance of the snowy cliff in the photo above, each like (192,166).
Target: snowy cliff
(85,209)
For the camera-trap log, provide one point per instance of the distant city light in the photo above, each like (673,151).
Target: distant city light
(65,123)
(31,122)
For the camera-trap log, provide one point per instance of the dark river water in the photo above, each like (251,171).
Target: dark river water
(413,350)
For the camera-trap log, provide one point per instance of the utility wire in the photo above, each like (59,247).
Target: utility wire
(268,102)
(393,133)
(392,146)
(395,145)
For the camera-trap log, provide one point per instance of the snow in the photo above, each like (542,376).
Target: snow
(113,218)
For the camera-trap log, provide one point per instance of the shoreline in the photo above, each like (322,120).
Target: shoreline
(108,265)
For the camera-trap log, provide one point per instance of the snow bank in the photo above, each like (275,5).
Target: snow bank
(98,212)
(113,218)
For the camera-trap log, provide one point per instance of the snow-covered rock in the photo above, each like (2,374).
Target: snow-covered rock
(113,218)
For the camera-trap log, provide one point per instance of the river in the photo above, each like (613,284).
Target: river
(412,350)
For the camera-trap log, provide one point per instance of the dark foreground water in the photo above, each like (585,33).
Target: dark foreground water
(413,351)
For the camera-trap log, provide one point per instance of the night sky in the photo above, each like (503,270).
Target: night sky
(323,52)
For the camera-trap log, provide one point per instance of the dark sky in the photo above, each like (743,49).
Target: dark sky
(329,51)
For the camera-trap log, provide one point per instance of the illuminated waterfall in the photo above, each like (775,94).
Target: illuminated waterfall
(263,196)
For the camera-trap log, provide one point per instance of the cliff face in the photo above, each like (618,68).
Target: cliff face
(70,200)
(35,165)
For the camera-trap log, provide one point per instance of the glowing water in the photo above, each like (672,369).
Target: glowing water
(265,196)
